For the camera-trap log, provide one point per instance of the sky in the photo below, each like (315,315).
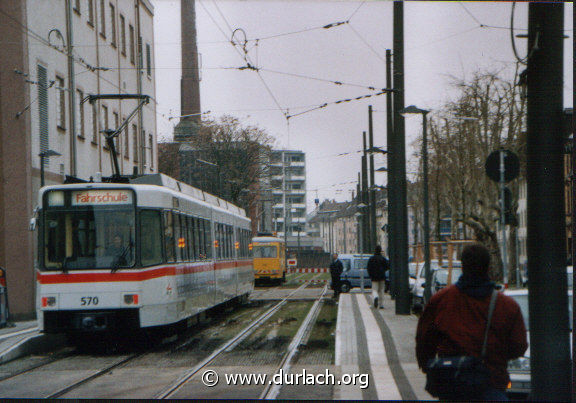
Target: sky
(299,62)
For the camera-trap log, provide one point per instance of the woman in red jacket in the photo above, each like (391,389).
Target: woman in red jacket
(454,321)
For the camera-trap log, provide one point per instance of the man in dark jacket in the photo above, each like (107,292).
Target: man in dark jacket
(454,321)
(336,269)
(377,268)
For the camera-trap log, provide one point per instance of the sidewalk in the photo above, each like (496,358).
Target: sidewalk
(380,343)
(24,338)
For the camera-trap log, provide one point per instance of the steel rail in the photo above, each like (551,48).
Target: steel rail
(271,390)
(98,374)
(169,391)
(50,360)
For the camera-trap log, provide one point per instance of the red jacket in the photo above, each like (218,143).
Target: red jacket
(453,323)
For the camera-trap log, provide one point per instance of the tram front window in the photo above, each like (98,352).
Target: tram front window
(264,251)
(91,239)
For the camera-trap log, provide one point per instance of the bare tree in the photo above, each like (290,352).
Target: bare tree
(486,115)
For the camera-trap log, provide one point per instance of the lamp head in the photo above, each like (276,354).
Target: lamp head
(411,110)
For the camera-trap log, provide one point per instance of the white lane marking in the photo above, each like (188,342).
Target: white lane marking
(384,381)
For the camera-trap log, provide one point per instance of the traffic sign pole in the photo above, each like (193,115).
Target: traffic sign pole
(502,221)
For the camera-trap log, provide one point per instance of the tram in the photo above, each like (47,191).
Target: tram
(140,255)
(269,254)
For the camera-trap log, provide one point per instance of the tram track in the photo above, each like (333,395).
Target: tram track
(229,345)
(271,391)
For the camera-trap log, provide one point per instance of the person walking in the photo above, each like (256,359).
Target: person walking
(454,323)
(336,269)
(377,267)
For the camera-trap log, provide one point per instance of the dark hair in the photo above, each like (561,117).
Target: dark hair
(378,250)
(475,260)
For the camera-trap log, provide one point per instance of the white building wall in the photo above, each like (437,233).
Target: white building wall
(111,72)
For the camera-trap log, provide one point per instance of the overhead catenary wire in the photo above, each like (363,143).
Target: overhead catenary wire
(324,105)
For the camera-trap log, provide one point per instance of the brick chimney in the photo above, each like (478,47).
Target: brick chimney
(190,81)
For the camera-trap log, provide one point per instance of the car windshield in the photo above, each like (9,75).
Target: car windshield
(345,264)
(261,251)
(89,239)
(442,276)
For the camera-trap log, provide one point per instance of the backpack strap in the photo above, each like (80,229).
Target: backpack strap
(490,312)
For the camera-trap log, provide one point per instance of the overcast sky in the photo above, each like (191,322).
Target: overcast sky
(441,40)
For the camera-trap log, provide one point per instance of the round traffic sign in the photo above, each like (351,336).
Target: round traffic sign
(511,165)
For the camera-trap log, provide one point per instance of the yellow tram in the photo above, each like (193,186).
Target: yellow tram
(269,255)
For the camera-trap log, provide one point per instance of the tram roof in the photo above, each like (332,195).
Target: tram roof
(150,182)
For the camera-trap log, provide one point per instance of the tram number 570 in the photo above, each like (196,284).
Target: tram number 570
(85,301)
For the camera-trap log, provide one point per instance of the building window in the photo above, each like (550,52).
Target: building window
(122,35)
(151,145)
(143,147)
(113,24)
(117,138)
(132,47)
(80,122)
(135,143)
(126,142)
(91,12)
(148,60)
(43,109)
(105,122)
(102,19)
(61,103)
(94,123)
(77,6)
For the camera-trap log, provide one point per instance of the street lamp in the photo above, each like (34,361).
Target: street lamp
(42,155)
(219,178)
(374,150)
(414,110)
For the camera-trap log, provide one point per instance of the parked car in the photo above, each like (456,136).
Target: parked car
(354,265)
(519,369)
(412,273)
(440,278)
(418,288)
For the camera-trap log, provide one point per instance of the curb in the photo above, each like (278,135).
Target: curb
(33,344)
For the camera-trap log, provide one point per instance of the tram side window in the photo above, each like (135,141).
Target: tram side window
(220,243)
(196,236)
(201,239)
(190,236)
(169,236)
(150,237)
(207,239)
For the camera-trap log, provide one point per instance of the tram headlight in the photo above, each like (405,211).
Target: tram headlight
(48,301)
(131,299)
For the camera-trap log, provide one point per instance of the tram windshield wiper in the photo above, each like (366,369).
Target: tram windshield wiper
(120,260)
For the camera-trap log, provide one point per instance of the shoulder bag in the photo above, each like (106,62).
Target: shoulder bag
(461,377)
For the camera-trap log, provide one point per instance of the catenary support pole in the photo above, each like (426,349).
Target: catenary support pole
(399,152)
(373,230)
(365,200)
(546,247)
(390,193)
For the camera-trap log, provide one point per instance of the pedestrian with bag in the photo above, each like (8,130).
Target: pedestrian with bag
(377,267)
(467,333)
(336,269)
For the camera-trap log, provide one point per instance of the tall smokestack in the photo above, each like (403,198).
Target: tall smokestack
(190,81)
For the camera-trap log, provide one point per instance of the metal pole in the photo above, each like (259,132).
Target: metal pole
(391,178)
(399,166)
(41,170)
(365,211)
(71,86)
(546,242)
(372,211)
(502,222)
(428,273)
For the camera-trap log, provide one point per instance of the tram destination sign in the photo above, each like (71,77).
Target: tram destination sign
(101,197)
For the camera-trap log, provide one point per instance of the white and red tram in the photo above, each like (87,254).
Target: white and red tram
(154,252)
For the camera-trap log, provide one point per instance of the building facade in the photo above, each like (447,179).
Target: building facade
(48,68)
(288,187)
